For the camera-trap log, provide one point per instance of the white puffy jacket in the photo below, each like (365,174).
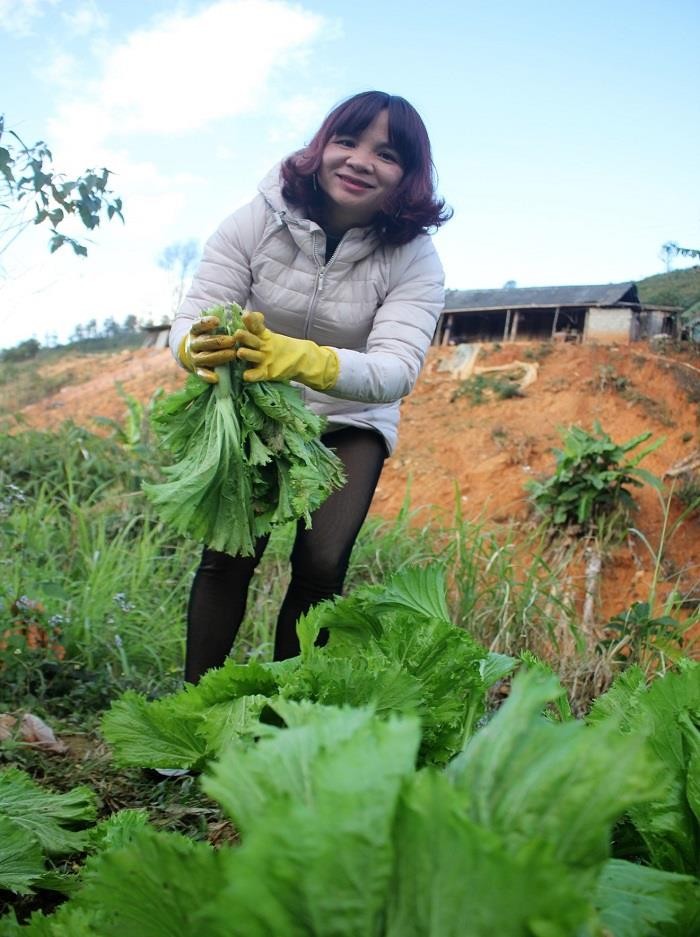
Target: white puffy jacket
(377,306)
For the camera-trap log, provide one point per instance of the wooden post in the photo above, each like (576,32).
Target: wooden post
(507,325)
(556,319)
(514,326)
(446,330)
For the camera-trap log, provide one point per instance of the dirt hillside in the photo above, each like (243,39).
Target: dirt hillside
(488,450)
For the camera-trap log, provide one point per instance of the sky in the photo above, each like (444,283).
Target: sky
(566,136)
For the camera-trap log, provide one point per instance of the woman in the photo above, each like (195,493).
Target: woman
(334,257)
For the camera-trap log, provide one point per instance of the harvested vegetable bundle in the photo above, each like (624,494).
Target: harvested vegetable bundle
(248,456)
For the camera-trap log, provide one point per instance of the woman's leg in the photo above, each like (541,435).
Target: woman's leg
(216,608)
(321,554)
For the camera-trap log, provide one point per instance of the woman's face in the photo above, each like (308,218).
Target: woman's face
(357,174)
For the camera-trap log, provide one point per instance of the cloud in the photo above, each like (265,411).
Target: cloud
(17,16)
(156,106)
(186,71)
(86,18)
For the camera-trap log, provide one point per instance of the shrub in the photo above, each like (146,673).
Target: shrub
(591,478)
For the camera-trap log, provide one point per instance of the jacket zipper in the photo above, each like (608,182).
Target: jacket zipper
(318,286)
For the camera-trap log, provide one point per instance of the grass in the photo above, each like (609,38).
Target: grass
(677,288)
(23,385)
(78,539)
(94,589)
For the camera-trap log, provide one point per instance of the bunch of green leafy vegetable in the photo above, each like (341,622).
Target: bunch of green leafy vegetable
(391,646)
(341,835)
(247,456)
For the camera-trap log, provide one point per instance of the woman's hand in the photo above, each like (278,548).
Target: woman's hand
(201,351)
(279,358)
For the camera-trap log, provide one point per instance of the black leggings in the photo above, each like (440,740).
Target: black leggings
(319,562)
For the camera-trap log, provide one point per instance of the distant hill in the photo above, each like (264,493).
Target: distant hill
(677,288)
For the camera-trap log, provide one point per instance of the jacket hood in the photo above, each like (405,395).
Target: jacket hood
(357,242)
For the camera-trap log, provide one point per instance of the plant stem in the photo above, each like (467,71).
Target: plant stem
(222,388)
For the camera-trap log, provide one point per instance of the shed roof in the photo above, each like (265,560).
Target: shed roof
(607,294)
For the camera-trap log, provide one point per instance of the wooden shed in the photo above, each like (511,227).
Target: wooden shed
(156,336)
(605,313)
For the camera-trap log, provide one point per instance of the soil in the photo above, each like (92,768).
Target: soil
(483,453)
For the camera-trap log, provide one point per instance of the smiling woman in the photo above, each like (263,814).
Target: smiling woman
(358,176)
(372,139)
(343,289)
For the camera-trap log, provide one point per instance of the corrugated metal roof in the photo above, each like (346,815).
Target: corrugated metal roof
(608,294)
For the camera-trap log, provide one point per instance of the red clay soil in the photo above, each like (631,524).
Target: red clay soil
(486,451)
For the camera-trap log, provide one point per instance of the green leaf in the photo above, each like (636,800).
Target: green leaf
(51,819)
(155,886)
(453,877)
(21,857)
(667,712)
(561,783)
(119,829)
(634,900)
(157,734)
(495,667)
(315,803)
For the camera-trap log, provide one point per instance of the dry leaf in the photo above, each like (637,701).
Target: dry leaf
(35,732)
(6,723)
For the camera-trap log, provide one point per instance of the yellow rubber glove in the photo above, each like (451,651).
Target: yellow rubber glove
(201,352)
(279,358)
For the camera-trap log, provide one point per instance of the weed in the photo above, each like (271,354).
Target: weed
(482,387)
(608,379)
(688,493)
(500,435)
(135,432)
(591,478)
(543,350)
(636,635)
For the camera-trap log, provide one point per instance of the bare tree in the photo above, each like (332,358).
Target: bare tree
(179,259)
(668,253)
(671,250)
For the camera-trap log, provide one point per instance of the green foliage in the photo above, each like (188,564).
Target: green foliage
(666,712)
(23,352)
(483,387)
(390,645)
(341,835)
(26,172)
(72,462)
(106,581)
(134,432)
(635,634)
(248,457)
(30,641)
(635,899)
(677,288)
(542,351)
(37,824)
(591,478)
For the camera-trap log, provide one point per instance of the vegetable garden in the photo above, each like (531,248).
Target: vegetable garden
(467,755)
